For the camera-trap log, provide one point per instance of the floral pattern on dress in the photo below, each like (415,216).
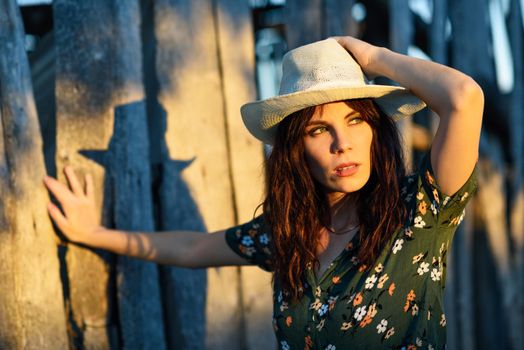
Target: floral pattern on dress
(252,241)
(396,303)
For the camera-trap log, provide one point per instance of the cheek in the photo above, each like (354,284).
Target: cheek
(316,162)
(367,139)
(369,150)
(365,145)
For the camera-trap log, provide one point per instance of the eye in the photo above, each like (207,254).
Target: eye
(317,130)
(355,120)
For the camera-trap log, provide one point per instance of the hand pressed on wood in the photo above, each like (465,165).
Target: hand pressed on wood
(78,220)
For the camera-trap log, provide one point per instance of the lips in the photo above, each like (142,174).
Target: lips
(346,169)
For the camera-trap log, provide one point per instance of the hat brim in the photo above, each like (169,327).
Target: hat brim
(262,117)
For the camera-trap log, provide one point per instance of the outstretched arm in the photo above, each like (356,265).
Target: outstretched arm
(454,96)
(79,222)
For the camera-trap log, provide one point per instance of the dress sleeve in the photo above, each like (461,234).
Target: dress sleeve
(433,207)
(252,241)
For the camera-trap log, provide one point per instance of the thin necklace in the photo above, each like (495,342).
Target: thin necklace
(351,229)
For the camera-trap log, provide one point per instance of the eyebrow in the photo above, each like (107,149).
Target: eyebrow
(320,122)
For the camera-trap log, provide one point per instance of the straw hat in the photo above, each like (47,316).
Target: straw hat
(319,73)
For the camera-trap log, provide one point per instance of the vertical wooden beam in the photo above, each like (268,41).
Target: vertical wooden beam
(438,45)
(236,55)
(401,36)
(516,200)
(462,246)
(303,22)
(138,292)
(337,18)
(98,70)
(128,172)
(32,314)
(495,254)
(438,52)
(84,109)
(469,55)
(196,190)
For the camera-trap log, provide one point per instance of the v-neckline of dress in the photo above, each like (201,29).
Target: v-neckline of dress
(350,247)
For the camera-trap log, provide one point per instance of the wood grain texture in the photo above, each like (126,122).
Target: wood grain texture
(98,71)
(303,22)
(32,313)
(401,36)
(236,55)
(516,219)
(196,192)
(468,56)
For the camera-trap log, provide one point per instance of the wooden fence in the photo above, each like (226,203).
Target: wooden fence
(145,96)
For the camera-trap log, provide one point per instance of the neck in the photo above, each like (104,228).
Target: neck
(344,215)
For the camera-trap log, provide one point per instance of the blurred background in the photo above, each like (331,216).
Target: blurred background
(145,95)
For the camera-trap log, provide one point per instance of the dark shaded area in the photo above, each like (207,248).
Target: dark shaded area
(43,68)
(38,19)
(128,172)
(488,300)
(268,16)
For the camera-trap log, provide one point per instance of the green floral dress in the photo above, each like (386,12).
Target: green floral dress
(397,303)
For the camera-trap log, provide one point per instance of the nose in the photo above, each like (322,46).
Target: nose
(341,142)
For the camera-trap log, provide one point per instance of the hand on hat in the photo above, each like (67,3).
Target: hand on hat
(364,53)
(78,220)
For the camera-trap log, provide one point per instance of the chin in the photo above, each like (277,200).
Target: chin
(353,189)
(346,189)
(347,185)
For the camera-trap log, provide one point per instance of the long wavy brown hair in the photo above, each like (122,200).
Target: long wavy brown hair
(296,208)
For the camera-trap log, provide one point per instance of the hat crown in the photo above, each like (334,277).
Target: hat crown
(319,65)
(320,73)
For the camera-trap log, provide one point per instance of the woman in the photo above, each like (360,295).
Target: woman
(358,249)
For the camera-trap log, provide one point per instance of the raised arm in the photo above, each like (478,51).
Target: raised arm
(79,222)
(454,96)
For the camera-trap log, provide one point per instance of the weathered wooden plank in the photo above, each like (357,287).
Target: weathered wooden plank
(438,48)
(83,109)
(438,52)
(337,18)
(184,309)
(140,309)
(42,62)
(236,55)
(516,200)
(190,92)
(99,68)
(437,44)
(183,290)
(400,26)
(469,55)
(139,299)
(31,301)
(491,199)
(401,36)
(303,22)
(469,52)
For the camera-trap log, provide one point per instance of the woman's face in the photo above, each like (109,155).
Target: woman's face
(338,149)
